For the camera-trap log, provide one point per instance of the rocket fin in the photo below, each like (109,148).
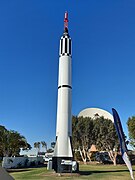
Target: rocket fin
(62,150)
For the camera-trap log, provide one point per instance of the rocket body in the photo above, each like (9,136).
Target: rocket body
(63,146)
(64,114)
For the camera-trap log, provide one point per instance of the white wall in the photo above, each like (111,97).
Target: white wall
(19,162)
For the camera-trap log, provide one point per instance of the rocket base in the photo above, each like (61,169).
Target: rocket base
(60,167)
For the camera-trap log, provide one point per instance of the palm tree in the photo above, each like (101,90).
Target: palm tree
(37,145)
(53,144)
(44,145)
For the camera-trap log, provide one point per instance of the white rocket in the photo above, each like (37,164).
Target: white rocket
(63,147)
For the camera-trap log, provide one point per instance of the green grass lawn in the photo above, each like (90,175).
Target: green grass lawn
(92,172)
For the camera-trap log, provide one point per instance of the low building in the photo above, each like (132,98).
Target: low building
(29,153)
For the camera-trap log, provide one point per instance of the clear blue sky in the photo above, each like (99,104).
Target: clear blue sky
(103,34)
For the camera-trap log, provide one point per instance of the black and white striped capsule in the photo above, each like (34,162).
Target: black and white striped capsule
(65,46)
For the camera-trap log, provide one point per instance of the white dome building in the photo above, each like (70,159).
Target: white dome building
(95,112)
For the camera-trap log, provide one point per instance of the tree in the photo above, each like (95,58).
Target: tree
(11,142)
(50,150)
(3,140)
(28,147)
(15,142)
(131,130)
(98,131)
(106,138)
(37,146)
(44,145)
(82,136)
(53,144)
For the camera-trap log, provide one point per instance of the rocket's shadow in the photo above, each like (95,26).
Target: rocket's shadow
(86,173)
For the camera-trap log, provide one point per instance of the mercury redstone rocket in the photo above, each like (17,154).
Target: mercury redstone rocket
(63,147)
